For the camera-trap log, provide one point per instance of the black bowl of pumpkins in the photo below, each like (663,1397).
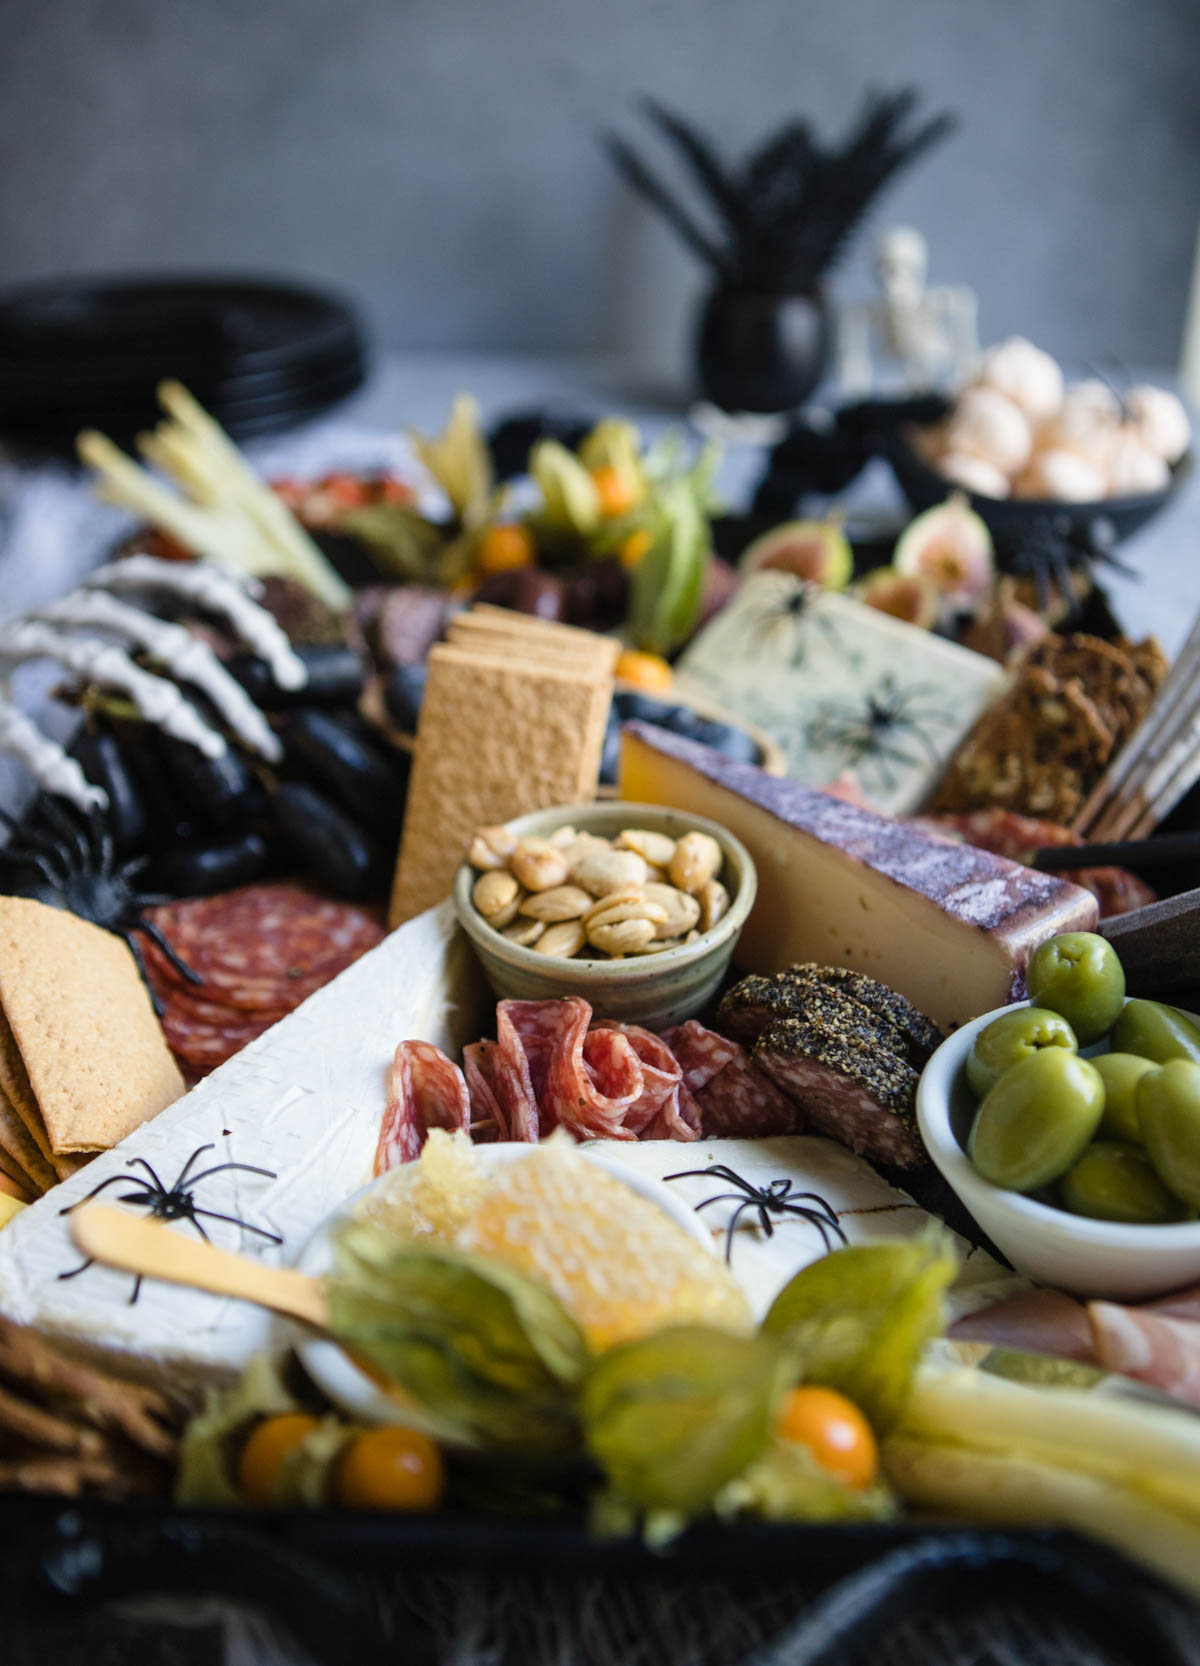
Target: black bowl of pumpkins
(1025,445)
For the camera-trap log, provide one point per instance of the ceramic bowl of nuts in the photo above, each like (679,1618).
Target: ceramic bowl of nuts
(635,908)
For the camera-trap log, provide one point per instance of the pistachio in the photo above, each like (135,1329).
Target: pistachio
(562,940)
(538,864)
(602,871)
(656,849)
(697,859)
(563,902)
(714,902)
(496,895)
(682,911)
(524,932)
(491,847)
(621,936)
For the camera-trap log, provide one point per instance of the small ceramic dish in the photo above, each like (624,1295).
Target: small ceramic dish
(656,990)
(1071,1252)
(345,1383)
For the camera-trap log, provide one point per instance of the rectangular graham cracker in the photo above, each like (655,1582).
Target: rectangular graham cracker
(534,650)
(603,649)
(25,1160)
(497,737)
(92,1050)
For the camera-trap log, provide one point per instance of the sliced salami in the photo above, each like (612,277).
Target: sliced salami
(665,1110)
(702,1054)
(488,1122)
(740,1102)
(524,1039)
(428,1090)
(590,1099)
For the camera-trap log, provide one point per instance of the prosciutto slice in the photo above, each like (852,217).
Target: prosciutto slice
(1036,1322)
(428,1090)
(1150,1346)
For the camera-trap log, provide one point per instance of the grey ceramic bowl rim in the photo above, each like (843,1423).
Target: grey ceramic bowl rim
(631,968)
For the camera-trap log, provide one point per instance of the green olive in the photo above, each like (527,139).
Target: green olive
(1117,1182)
(1121,1073)
(1014,1036)
(1036,1121)
(1078,974)
(1154,1031)
(1168,1107)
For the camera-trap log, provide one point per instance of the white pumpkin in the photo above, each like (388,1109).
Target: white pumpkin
(1133,468)
(987,424)
(1161,422)
(1061,476)
(975,473)
(1026,375)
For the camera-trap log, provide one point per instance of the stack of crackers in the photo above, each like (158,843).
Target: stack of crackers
(512,719)
(1042,746)
(83,1060)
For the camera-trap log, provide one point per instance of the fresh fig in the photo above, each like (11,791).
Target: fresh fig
(951,548)
(813,550)
(905,596)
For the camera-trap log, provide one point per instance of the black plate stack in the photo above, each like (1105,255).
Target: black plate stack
(258,354)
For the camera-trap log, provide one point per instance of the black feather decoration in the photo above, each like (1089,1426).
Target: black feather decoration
(787,215)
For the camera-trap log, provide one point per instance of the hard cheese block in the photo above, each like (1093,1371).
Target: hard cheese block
(842,686)
(947,925)
(304,1101)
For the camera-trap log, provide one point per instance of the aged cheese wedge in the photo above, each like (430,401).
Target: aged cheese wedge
(947,925)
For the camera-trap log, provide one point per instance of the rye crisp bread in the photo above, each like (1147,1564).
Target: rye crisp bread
(93,1052)
(497,737)
(603,650)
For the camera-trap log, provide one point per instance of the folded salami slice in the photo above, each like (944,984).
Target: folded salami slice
(428,1090)
(590,1097)
(666,1110)
(702,1053)
(488,1121)
(528,1031)
(864,1098)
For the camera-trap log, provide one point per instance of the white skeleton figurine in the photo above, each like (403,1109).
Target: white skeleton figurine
(930,333)
(79,631)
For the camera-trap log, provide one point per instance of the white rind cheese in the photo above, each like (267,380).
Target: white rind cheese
(947,925)
(305,1100)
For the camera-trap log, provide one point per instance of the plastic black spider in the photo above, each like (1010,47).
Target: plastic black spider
(1053,550)
(796,607)
(777,1198)
(873,730)
(171,1203)
(71,864)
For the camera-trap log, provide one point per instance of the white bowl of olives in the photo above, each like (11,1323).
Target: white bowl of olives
(1076,1147)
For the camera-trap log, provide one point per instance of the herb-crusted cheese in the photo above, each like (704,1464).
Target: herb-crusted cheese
(947,925)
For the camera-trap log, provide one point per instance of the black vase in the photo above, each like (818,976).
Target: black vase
(761,352)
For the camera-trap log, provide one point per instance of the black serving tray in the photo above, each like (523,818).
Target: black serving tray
(398,1586)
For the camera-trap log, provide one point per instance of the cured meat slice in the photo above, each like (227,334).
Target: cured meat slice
(1182,1304)
(488,1122)
(860,1097)
(1153,1348)
(861,1008)
(920,1035)
(666,1109)
(262,946)
(528,1031)
(589,1098)
(503,1072)
(702,1054)
(1036,1321)
(428,1090)
(741,1102)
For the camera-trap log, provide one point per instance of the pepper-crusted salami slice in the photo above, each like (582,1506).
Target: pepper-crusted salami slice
(865,1100)
(702,1054)
(428,1090)
(665,1110)
(740,1102)
(590,1099)
(920,1034)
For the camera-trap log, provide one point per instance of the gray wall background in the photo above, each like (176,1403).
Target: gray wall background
(438,158)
